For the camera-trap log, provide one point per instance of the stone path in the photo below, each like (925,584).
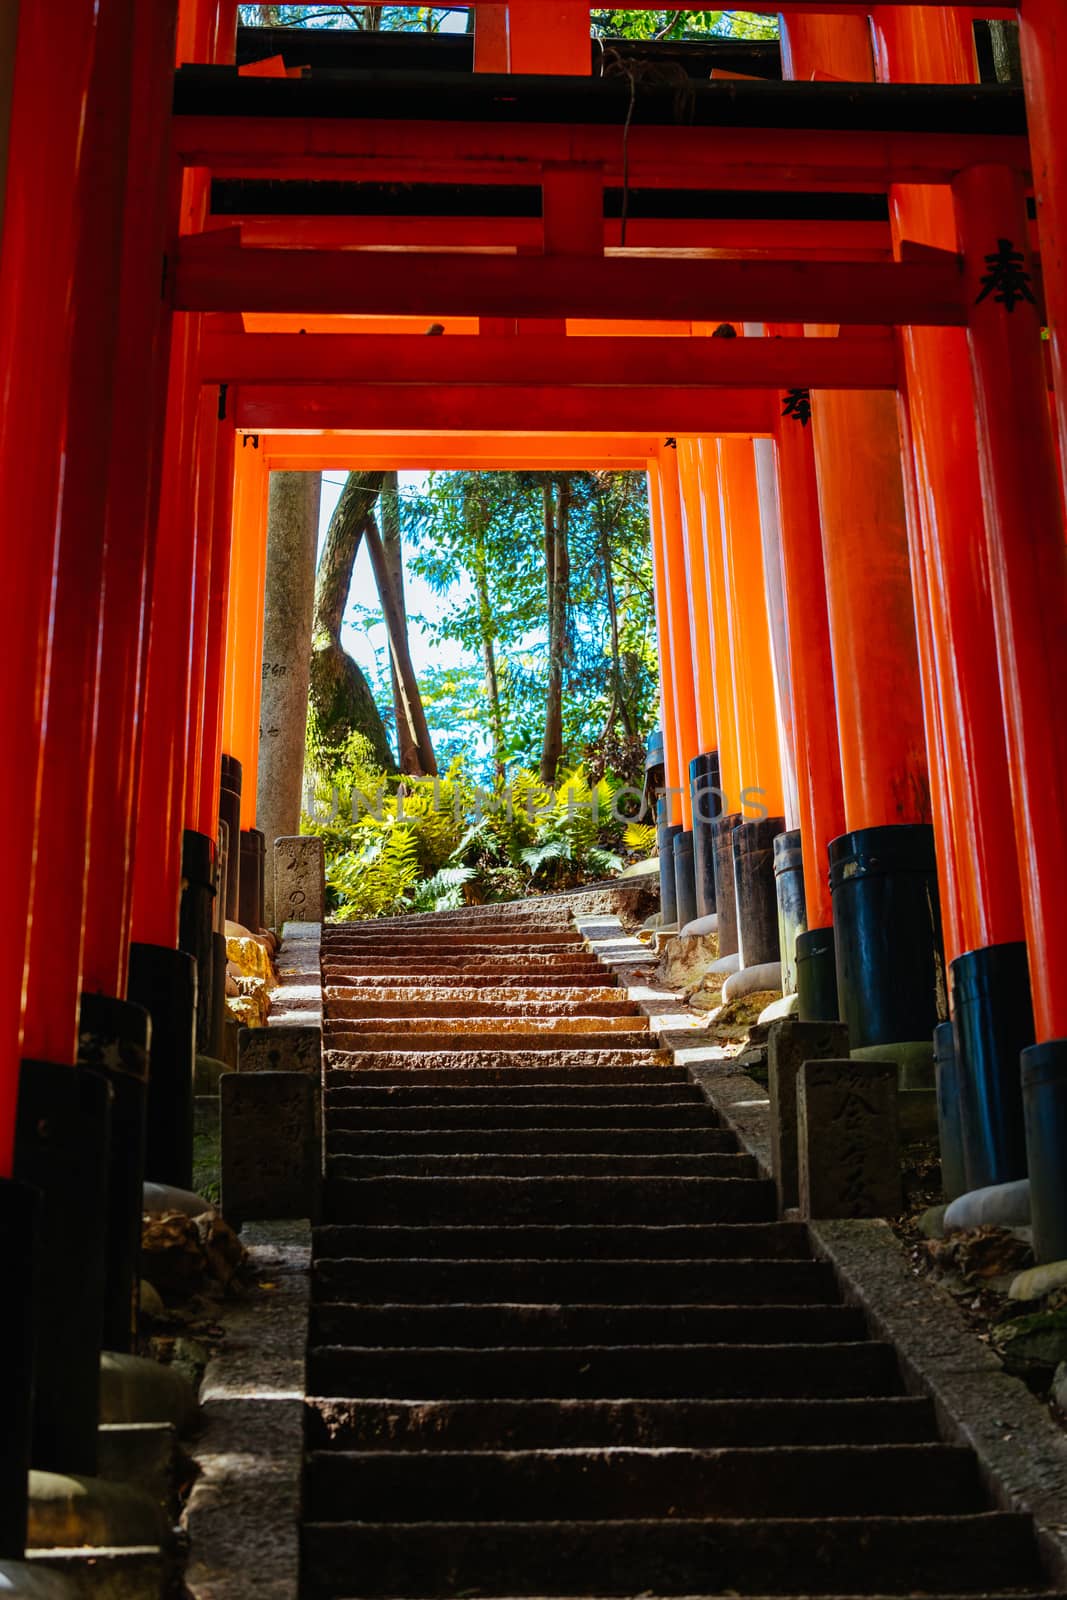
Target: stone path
(560,1343)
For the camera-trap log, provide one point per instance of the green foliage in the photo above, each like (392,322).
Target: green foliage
(616,22)
(399,845)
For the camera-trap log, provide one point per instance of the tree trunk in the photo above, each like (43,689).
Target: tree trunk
(618,697)
(407,745)
(557,576)
(341,702)
(492,680)
(414,740)
(292,534)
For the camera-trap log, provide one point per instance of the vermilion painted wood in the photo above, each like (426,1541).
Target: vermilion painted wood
(668,708)
(725,704)
(244,615)
(157,856)
(1043,41)
(1028,570)
(135,457)
(760,770)
(339,451)
(701,642)
(215,647)
(868,361)
(432,408)
(679,156)
(214,273)
(46,169)
(207,429)
(676,621)
(64,825)
(818,754)
(949,565)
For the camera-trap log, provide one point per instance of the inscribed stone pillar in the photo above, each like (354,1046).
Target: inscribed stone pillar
(292,535)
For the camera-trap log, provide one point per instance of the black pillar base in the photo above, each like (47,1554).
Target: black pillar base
(757,901)
(722,844)
(792,910)
(887,931)
(20,1219)
(197,923)
(949,1122)
(707,805)
(113,1039)
(817,977)
(1044,1084)
(685,888)
(249,900)
(994,1024)
(62,1148)
(164,982)
(218,996)
(666,833)
(230,813)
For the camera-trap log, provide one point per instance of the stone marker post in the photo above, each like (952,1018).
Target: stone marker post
(299,879)
(292,536)
(789,1045)
(849,1144)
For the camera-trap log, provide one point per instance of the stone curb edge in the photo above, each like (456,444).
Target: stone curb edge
(1021,1452)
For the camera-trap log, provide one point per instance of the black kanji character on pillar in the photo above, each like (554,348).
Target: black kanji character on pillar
(1007,279)
(798,406)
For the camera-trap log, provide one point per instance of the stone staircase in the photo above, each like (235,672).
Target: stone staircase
(560,1343)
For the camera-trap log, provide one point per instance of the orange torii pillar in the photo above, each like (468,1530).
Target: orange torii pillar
(666,809)
(818,754)
(531,36)
(978,867)
(750,862)
(1043,43)
(725,701)
(704,773)
(242,675)
(1028,568)
(883,872)
(683,673)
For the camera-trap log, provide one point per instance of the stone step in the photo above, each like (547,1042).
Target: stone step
(550,1200)
(572,1424)
(538,985)
(445,1039)
(769,1241)
(476,944)
(730,1556)
(586,1164)
(596,1281)
(685,1371)
(510,1076)
(550,1485)
(590,999)
(551,1060)
(440,1006)
(529,1141)
(462,1117)
(394,1326)
(461,976)
(634,1088)
(412,965)
(490,1023)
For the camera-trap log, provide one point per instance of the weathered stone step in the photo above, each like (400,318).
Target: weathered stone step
(503,961)
(510,1076)
(487,1118)
(550,944)
(545,1485)
(530,1141)
(703,1371)
(599,1008)
(515,985)
(571,1424)
(756,1556)
(550,1200)
(547,1061)
(586,1164)
(489,1021)
(590,1000)
(392,1326)
(768,1241)
(446,1040)
(523,1089)
(596,1281)
(460,974)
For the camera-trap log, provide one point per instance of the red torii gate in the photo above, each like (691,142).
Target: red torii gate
(121,555)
